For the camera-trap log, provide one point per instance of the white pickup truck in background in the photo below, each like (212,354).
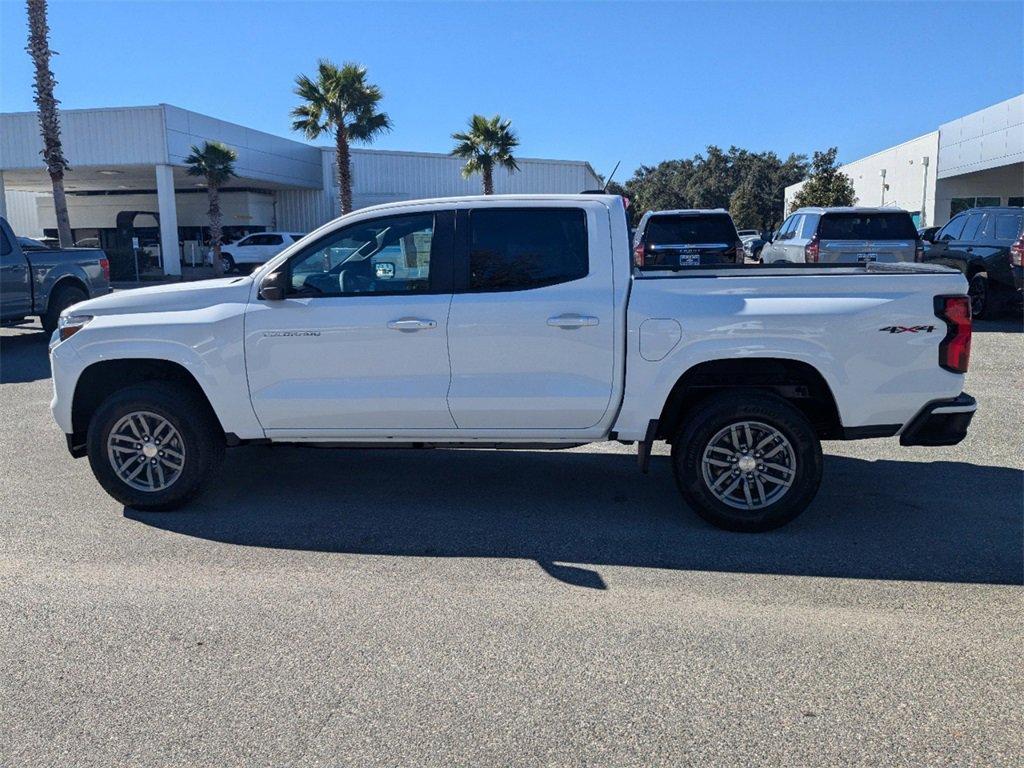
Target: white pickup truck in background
(515,321)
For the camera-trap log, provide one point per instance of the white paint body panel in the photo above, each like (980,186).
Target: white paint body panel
(829,322)
(493,370)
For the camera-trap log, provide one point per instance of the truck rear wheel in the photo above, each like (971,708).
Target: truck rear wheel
(153,446)
(747,461)
(63,296)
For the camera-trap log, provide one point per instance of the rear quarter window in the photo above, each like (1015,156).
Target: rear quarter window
(672,230)
(867,226)
(1008,226)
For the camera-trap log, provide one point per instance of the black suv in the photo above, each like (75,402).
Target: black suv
(690,238)
(986,244)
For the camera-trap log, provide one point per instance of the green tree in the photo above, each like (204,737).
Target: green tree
(714,177)
(827,185)
(49,120)
(758,199)
(486,145)
(215,163)
(340,103)
(750,184)
(660,187)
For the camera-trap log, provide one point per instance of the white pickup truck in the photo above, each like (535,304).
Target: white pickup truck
(515,321)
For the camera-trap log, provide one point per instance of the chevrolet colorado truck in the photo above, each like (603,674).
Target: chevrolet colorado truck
(42,281)
(515,321)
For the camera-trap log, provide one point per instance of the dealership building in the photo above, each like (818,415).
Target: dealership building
(975,160)
(128,188)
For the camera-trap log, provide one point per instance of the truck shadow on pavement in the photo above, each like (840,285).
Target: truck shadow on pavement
(940,521)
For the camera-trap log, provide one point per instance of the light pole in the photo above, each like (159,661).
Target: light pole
(882,174)
(924,193)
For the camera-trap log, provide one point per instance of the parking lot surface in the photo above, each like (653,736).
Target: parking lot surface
(512,608)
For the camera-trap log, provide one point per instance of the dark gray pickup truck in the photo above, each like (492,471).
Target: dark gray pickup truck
(41,281)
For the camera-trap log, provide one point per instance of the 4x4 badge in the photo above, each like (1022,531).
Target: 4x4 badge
(908,329)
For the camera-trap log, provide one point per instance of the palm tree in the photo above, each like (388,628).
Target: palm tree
(487,143)
(340,101)
(215,162)
(49,121)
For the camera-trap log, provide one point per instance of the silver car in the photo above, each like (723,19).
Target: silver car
(844,236)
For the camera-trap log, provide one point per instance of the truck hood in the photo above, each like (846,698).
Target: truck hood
(168,298)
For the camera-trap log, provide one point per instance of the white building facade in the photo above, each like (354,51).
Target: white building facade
(128,187)
(976,160)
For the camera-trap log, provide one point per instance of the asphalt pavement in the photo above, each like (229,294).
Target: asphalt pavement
(440,608)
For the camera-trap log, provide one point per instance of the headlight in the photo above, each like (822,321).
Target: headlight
(69,325)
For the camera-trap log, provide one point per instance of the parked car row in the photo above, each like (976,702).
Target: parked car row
(985,244)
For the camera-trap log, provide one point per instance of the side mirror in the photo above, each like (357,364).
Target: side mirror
(274,285)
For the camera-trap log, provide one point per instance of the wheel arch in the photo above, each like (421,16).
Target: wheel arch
(67,280)
(796,381)
(101,379)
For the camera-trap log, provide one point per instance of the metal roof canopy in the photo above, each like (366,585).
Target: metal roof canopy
(117,149)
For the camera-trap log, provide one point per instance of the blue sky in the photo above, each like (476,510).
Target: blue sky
(637,82)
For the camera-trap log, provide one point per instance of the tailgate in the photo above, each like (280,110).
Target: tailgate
(866,251)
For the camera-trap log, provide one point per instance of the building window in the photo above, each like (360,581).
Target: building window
(1015,201)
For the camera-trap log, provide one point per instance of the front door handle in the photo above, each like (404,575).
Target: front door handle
(572,321)
(411,324)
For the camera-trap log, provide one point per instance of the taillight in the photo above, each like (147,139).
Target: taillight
(811,251)
(955,348)
(1017,252)
(105,266)
(919,252)
(638,255)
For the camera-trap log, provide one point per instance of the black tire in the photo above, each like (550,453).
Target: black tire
(716,414)
(979,289)
(202,441)
(227,262)
(63,296)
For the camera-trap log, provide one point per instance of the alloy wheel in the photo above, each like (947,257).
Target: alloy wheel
(749,465)
(146,451)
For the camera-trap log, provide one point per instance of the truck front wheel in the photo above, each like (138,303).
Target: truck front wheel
(747,461)
(152,446)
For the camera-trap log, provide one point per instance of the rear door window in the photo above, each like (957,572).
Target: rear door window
(1008,226)
(690,230)
(885,225)
(518,249)
(973,226)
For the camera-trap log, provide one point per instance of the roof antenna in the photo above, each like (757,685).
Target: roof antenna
(610,175)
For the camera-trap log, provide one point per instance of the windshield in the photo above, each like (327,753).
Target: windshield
(896,225)
(672,230)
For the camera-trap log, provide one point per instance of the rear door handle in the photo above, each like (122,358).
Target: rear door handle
(411,324)
(572,321)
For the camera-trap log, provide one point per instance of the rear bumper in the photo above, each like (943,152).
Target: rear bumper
(941,422)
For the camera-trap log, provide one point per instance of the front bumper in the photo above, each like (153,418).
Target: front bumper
(941,422)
